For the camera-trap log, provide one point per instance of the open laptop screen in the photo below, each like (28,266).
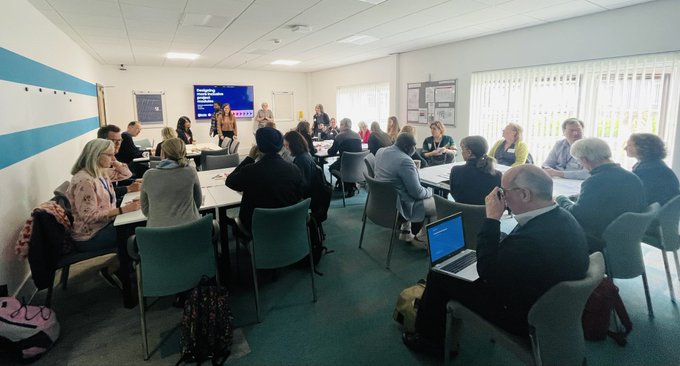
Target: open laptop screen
(445,237)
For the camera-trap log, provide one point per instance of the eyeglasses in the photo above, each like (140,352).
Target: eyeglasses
(117,141)
(504,191)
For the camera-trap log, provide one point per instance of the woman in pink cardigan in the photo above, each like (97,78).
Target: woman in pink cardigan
(93,201)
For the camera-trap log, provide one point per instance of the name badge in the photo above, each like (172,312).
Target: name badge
(512,151)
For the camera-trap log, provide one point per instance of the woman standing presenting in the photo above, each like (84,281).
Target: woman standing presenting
(320,117)
(171,194)
(263,116)
(511,150)
(93,202)
(227,124)
(439,148)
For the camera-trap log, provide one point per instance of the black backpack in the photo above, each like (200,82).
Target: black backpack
(207,332)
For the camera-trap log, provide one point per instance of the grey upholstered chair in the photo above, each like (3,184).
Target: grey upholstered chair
(665,236)
(369,160)
(205,153)
(381,209)
(473,217)
(351,169)
(220,161)
(556,332)
(623,251)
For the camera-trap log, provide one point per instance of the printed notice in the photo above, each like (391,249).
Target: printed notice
(429,95)
(413,99)
(412,116)
(445,115)
(444,94)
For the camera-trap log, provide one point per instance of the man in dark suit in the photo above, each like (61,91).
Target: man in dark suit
(346,141)
(609,191)
(271,182)
(547,247)
(128,151)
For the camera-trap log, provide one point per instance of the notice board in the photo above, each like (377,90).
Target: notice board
(431,101)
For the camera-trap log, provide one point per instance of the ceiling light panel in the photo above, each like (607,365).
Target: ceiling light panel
(182,55)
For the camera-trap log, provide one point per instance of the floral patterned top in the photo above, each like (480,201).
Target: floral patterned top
(91,200)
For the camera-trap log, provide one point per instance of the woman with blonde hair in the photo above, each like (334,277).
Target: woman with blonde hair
(472,182)
(439,148)
(171,194)
(166,133)
(364,133)
(393,128)
(510,150)
(93,202)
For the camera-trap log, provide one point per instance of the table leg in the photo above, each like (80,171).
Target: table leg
(125,271)
(224,261)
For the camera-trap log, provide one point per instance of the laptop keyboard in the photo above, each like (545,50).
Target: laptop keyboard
(461,263)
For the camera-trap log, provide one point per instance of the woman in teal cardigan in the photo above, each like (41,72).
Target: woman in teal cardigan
(511,150)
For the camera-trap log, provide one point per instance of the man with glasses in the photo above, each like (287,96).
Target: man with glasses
(128,151)
(112,133)
(560,163)
(547,247)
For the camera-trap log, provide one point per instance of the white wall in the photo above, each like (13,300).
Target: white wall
(25,31)
(177,83)
(646,28)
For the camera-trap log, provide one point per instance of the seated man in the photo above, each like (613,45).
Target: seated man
(346,141)
(122,187)
(394,164)
(332,131)
(547,247)
(128,151)
(609,192)
(270,182)
(560,163)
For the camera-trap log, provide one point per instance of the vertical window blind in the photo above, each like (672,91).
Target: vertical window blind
(613,97)
(368,103)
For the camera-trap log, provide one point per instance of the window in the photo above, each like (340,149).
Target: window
(368,103)
(614,98)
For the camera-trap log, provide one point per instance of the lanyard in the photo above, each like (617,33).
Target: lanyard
(106,186)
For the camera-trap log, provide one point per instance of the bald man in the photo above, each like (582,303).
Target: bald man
(547,247)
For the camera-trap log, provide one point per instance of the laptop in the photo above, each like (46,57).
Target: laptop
(447,249)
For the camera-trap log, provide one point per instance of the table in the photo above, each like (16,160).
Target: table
(193,150)
(438,177)
(323,146)
(216,196)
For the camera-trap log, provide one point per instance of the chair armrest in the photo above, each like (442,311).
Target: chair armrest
(215,231)
(132,250)
(242,229)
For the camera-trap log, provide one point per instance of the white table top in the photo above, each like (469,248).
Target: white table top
(323,146)
(438,176)
(193,150)
(215,194)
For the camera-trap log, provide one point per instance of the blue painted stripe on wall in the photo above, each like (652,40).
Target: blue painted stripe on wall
(19,69)
(17,146)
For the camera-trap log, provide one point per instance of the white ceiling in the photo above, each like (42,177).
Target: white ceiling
(141,32)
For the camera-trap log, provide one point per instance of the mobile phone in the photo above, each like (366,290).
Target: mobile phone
(499,193)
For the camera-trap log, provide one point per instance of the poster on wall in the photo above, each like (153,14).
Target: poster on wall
(149,107)
(431,101)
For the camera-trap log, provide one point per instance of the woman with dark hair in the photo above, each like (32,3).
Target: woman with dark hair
(296,144)
(658,180)
(472,182)
(378,138)
(184,130)
(320,117)
(304,129)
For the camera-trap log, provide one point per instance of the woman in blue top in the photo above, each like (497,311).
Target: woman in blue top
(439,148)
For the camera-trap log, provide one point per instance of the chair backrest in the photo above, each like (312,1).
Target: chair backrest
(173,259)
(473,217)
(556,317)
(352,166)
(369,160)
(205,153)
(233,147)
(226,142)
(154,161)
(668,217)
(220,161)
(143,143)
(280,235)
(623,251)
(381,203)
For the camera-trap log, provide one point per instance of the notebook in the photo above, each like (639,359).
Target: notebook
(447,249)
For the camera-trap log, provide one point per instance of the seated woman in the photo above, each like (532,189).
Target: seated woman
(658,180)
(166,133)
(296,144)
(416,156)
(171,194)
(364,133)
(439,148)
(378,138)
(305,130)
(472,182)
(511,150)
(184,130)
(93,202)
(393,128)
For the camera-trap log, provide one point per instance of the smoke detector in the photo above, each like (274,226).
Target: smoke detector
(301,28)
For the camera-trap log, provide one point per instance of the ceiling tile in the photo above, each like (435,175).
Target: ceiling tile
(613,4)
(566,10)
